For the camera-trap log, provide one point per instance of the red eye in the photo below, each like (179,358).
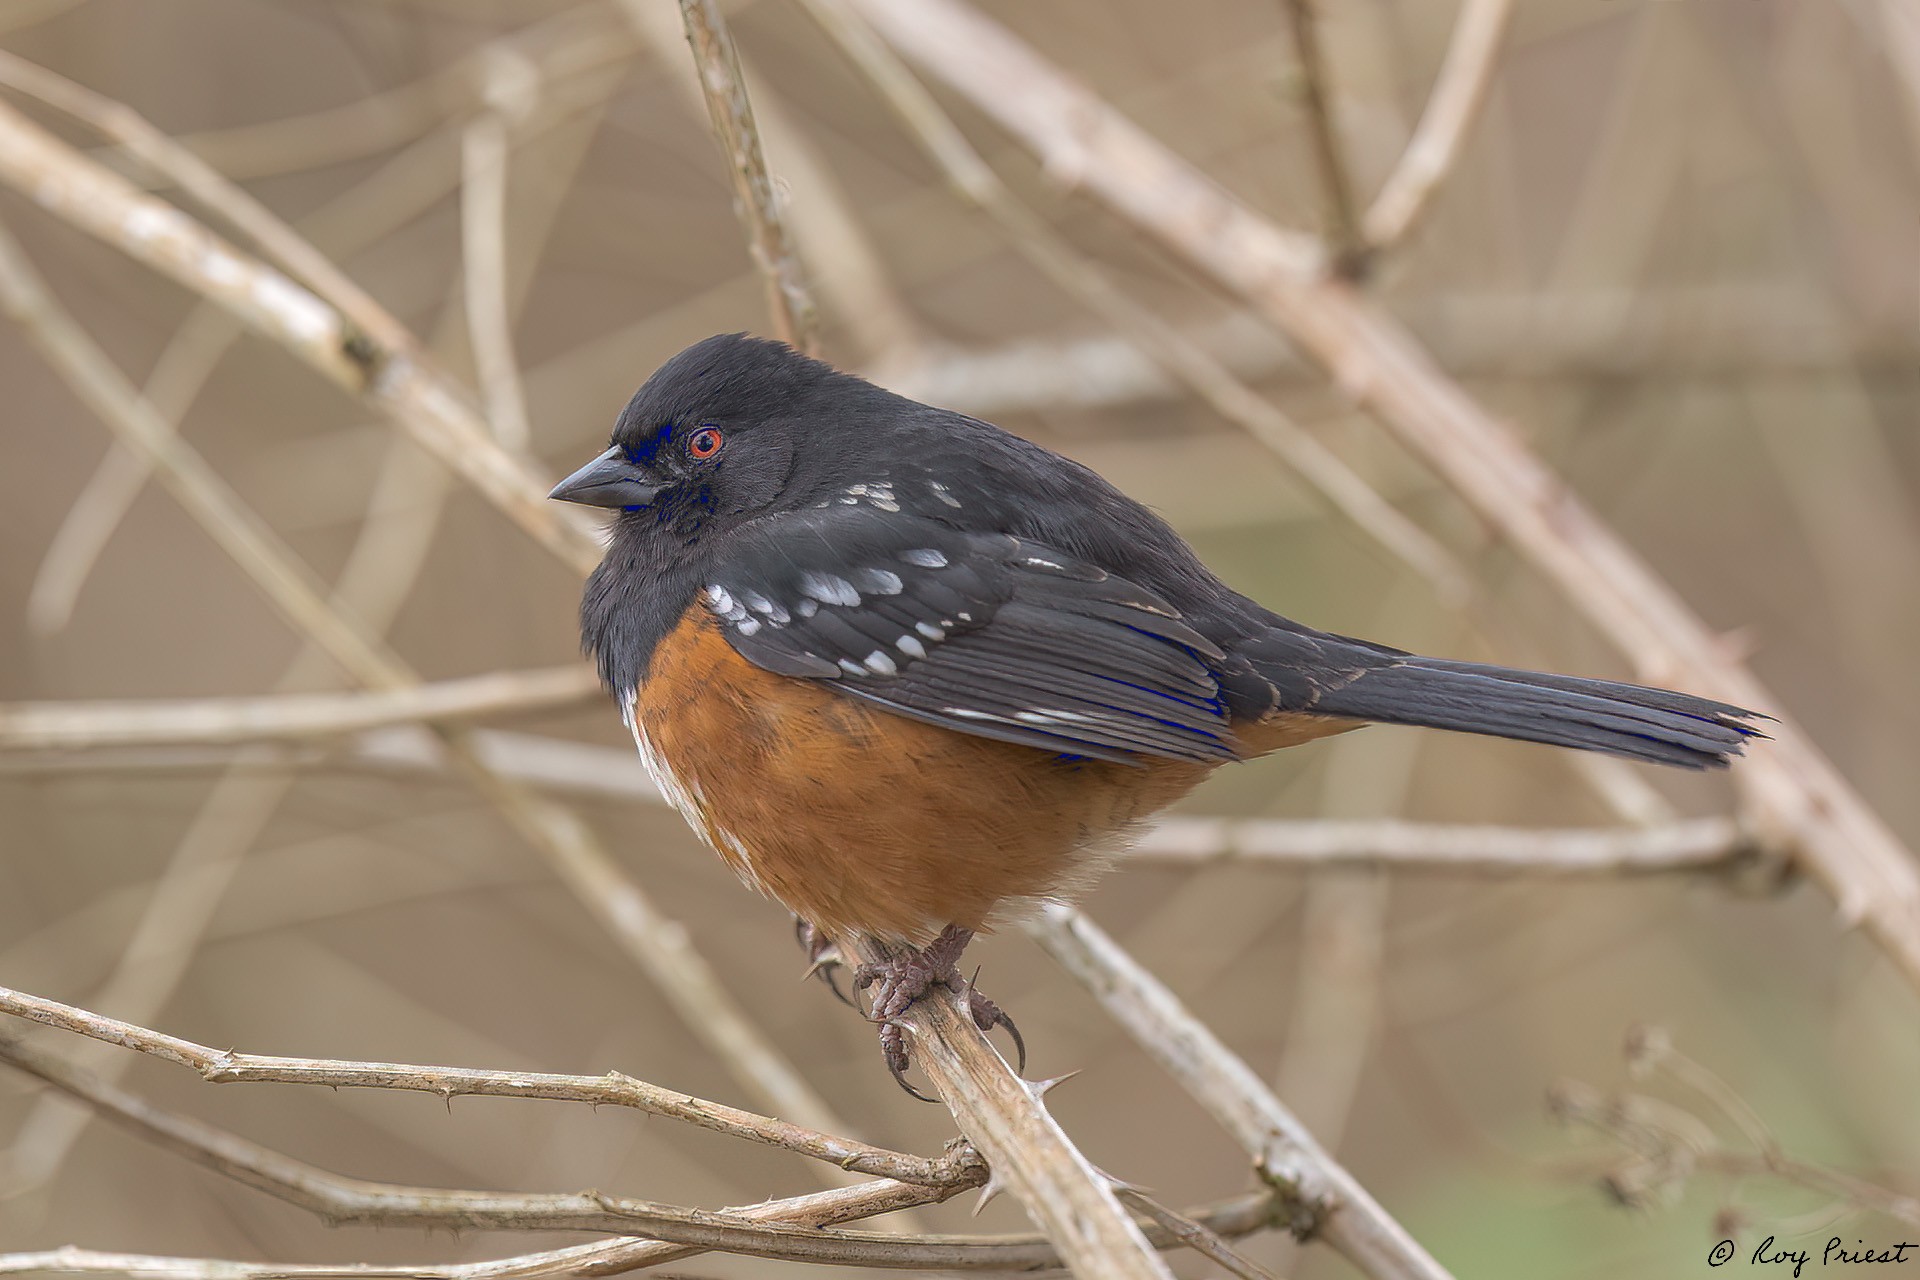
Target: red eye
(705,442)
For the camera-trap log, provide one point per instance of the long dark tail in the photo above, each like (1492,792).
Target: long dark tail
(1627,720)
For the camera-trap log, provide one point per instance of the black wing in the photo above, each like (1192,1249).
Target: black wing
(985,634)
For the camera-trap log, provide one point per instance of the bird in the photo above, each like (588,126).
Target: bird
(916,677)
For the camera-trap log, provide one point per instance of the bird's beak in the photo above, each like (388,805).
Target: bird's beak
(608,481)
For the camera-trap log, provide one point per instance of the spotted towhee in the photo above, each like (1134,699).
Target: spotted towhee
(914,676)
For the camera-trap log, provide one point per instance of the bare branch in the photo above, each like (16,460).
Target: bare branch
(1006,1119)
(754,199)
(484,148)
(1797,798)
(1321,1199)
(1316,91)
(1458,91)
(1667,1145)
(341,1200)
(225,1066)
(1703,845)
(385,367)
(577,40)
(1161,342)
(73,726)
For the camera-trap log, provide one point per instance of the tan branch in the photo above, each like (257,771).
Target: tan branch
(225,1066)
(1797,799)
(1163,343)
(755,201)
(581,39)
(341,1200)
(484,148)
(1458,91)
(1668,1144)
(73,726)
(1007,1121)
(382,365)
(1704,845)
(1320,1199)
(1316,93)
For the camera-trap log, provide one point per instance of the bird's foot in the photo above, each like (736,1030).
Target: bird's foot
(824,958)
(909,974)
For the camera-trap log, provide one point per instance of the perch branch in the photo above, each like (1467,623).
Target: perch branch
(1796,798)
(1007,1121)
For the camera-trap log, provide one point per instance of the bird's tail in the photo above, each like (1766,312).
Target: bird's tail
(1627,720)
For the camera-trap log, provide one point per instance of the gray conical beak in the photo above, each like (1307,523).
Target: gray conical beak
(608,481)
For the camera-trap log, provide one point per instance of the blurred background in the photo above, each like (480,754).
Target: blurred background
(1680,252)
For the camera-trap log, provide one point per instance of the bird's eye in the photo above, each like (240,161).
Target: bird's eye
(705,442)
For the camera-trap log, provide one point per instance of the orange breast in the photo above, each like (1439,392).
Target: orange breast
(865,821)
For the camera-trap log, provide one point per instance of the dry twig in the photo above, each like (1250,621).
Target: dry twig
(1165,344)
(755,201)
(225,1066)
(383,365)
(793,1235)
(1320,1198)
(1458,91)
(1668,1145)
(1316,91)
(75,726)
(1006,1119)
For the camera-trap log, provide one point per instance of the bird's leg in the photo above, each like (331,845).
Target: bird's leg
(909,973)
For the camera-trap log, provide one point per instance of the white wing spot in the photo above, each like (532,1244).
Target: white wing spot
(828,588)
(911,647)
(771,609)
(852,668)
(1052,717)
(940,492)
(880,664)
(747,626)
(718,599)
(879,581)
(1039,563)
(806,608)
(930,631)
(885,504)
(925,557)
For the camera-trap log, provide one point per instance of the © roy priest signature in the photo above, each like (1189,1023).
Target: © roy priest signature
(1836,1253)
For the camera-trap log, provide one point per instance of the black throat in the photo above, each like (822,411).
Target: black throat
(644,585)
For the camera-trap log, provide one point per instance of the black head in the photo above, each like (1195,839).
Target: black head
(711,437)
